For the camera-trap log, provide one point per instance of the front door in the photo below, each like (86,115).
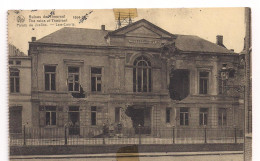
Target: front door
(142,117)
(15,121)
(74,121)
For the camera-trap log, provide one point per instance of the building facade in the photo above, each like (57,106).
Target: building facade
(19,90)
(138,75)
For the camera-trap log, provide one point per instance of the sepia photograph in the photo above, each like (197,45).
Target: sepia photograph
(130,84)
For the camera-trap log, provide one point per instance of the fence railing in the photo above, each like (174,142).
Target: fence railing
(93,136)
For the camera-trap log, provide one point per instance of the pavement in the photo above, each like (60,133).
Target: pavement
(127,155)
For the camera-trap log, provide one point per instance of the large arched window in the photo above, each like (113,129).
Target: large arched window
(142,75)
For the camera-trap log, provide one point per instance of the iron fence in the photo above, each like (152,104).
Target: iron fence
(95,136)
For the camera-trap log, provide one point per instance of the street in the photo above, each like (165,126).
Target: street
(211,157)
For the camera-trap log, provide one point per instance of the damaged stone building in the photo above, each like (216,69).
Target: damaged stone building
(137,75)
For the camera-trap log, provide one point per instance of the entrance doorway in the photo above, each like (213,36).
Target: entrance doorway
(15,120)
(74,128)
(141,116)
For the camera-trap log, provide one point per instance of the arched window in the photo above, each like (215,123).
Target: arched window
(142,75)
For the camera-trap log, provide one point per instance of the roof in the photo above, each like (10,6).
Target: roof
(15,52)
(195,43)
(76,36)
(96,37)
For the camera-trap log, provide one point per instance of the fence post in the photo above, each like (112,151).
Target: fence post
(139,131)
(24,137)
(235,134)
(66,141)
(173,134)
(205,134)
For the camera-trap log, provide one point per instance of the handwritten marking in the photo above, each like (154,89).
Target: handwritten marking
(85,17)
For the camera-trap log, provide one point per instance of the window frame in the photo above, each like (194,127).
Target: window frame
(119,114)
(204,79)
(73,74)
(51,112)
(16,78)
(222,121)
(204,115)
(184,116)
(92,111)
(50,73)
(168,114)
(142,68)
(96,76)
(18,62)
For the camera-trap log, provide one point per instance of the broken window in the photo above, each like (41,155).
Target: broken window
(96,75)
(222,116)
(73,79)
(203,82)
(184,116)
(142,75)
(168,115)
(117,114)
(179,87)
(14,80)
(50,115)
(203,116)
(50,78)
(93,115)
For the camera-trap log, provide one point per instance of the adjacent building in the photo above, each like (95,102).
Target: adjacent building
(138,75)
(20,109)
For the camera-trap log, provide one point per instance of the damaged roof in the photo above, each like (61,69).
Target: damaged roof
(96,37)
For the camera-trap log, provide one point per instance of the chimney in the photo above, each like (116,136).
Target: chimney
(219,40)
(33,39)
(103,27)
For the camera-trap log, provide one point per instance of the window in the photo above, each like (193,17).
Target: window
(184,116)
(11,62)
(203,82)
(14,81)
(117,114)
(73,79)
(96,74)
(168,115)
(203,116)
(50,78)
(142,75)
(93,115)
(50,115)
(18,62)
(222,116)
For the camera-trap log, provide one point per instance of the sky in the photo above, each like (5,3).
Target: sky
(206,23)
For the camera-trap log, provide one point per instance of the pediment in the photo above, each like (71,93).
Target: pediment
(142,28)
(142,31)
